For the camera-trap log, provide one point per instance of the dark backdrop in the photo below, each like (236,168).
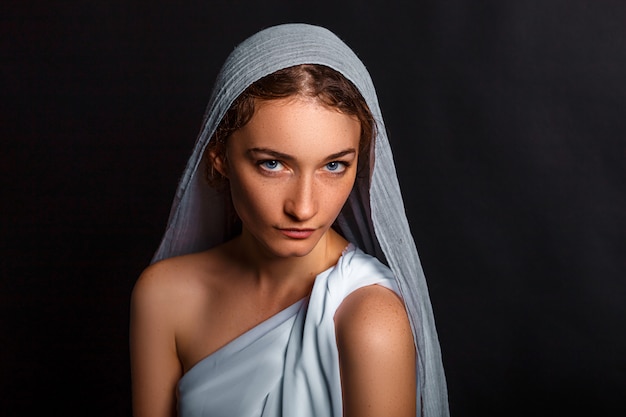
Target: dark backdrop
(508,124)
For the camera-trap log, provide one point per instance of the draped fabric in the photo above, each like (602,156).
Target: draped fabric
(287,365)
(373,218)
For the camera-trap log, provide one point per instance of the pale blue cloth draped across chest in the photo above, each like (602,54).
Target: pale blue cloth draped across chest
(288,365)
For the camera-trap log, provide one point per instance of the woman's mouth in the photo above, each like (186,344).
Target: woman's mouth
(297,233)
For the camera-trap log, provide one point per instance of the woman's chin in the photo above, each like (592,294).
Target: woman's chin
(291,248)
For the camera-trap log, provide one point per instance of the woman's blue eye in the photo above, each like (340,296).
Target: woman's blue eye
(270,165)
(335,166)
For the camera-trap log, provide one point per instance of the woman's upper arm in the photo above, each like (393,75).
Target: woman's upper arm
(155,367)
(376,354)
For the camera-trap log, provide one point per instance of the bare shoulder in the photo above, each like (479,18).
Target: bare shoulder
(174,290)
(372,316)
(164,296)
(169,280)
(376,354)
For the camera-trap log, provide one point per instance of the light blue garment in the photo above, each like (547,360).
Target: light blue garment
(373,218)
(288,365)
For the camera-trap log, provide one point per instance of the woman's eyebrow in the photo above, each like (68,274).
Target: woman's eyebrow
(270,152)
(286,157)
(343,153)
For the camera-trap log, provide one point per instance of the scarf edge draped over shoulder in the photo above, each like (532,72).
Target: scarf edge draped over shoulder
(373,218)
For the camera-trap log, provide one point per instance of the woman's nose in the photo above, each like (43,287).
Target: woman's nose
(301,203)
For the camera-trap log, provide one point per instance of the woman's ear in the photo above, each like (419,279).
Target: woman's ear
(218,161)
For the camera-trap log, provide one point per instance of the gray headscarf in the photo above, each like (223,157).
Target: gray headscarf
(373,217)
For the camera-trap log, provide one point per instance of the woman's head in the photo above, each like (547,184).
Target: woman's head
(290,170)
(317,82)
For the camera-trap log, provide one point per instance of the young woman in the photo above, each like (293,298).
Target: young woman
(289,284)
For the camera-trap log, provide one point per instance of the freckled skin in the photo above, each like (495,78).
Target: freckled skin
(282,174)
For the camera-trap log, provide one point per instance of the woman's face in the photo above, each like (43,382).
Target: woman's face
(291,169)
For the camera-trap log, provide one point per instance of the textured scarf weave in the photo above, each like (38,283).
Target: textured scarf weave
(373,218)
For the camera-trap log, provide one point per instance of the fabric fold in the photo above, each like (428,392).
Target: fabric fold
(287,365)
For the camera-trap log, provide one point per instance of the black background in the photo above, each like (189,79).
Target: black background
(507,121)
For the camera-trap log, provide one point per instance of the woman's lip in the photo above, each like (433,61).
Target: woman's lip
(297,233)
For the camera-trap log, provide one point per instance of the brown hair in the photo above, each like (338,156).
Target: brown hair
(309,80)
